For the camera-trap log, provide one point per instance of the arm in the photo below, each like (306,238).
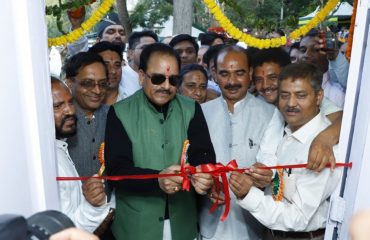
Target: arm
(119,159)
(308,190)
(81,45)
(266,155)
(200,150)
(338,69)
(321,149)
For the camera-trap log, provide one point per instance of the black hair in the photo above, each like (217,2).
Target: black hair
(270,55)
(192,68)
(105,46)
(208,38)
(280,32)
(305,71)
(211,53)
(294,46)
(80,60)
(231,48)
(182,38)
(312,33)
(157,48)
(134,38)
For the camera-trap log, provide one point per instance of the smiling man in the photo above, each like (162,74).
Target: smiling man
(301,211)
(144,135)
(87,76)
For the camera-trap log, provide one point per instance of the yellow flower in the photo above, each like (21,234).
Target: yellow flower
(85,26)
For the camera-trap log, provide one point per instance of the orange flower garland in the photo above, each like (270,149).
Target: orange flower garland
(277,187)
(351,30)
(101,159)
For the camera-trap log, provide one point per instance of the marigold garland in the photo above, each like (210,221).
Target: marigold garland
(85,26)
(101,159)
(237,34)
(277,188)
(351,30)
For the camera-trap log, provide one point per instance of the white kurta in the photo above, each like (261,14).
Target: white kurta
(73,203)
(130,81)
(251,134)
(306,193)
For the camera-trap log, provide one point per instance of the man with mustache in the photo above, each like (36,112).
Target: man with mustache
(87,77)
(298,205)
(144,135)
(84,203)
(267,64)
(243,128)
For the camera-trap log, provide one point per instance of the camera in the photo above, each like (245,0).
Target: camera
(39,226)
(329,41)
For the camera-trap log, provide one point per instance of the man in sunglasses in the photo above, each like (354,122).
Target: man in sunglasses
(144,135)
(87,77)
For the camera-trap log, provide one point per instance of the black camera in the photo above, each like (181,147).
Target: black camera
(39,226)
(329,41)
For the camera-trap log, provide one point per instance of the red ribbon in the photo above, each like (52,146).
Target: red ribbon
(216,170)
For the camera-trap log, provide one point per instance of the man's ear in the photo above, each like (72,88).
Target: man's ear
(319,97)
(130,55)
(69,83)
(141,77)
(98,39)
(214,74)
(250,73)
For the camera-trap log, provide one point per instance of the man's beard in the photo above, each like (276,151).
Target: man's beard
(60,134)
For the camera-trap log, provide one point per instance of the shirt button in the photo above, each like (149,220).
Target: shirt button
(160,219)
(94,157)
(93,140)
(88,122)
(162,145)
(161,121)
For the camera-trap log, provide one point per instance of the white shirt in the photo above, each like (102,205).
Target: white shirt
(250,134)
(333,91)
(305,198)
(73,203)
(130,81)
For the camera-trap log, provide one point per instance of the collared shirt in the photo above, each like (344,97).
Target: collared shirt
(84,146)
(305,198)
(73,203)
(130,81)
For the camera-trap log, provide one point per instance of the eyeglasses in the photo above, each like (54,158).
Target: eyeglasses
(158,79)
(91,84)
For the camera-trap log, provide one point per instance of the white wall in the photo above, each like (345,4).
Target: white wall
(27,162)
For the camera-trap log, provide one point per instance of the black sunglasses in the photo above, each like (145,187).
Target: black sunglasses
(158,79)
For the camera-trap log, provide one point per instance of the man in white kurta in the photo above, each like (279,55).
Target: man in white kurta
(243,128)
(85,204)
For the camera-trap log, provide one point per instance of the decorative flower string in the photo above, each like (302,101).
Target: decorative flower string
(101,159)
(85,26)
(277,186)
(237,34)
(351,30)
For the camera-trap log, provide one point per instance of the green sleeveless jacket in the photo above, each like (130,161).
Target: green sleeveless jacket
(156,144)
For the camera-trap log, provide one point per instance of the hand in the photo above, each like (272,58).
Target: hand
(330,54)
(76,19)
(73,234)
(170,185)
(240,184)
(261,177)
(201,182)
(320,154)
(94,191)
(217,197)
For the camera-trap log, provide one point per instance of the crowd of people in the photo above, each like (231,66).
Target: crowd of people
(268,107)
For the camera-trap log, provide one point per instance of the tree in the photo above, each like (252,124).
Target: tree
(182,16)
(123,16)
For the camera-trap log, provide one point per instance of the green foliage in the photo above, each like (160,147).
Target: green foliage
(150,13)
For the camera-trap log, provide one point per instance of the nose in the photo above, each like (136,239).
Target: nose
(69,109)
(264,83)
(166,84)
(197,91)
(292,101)
(96,89)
